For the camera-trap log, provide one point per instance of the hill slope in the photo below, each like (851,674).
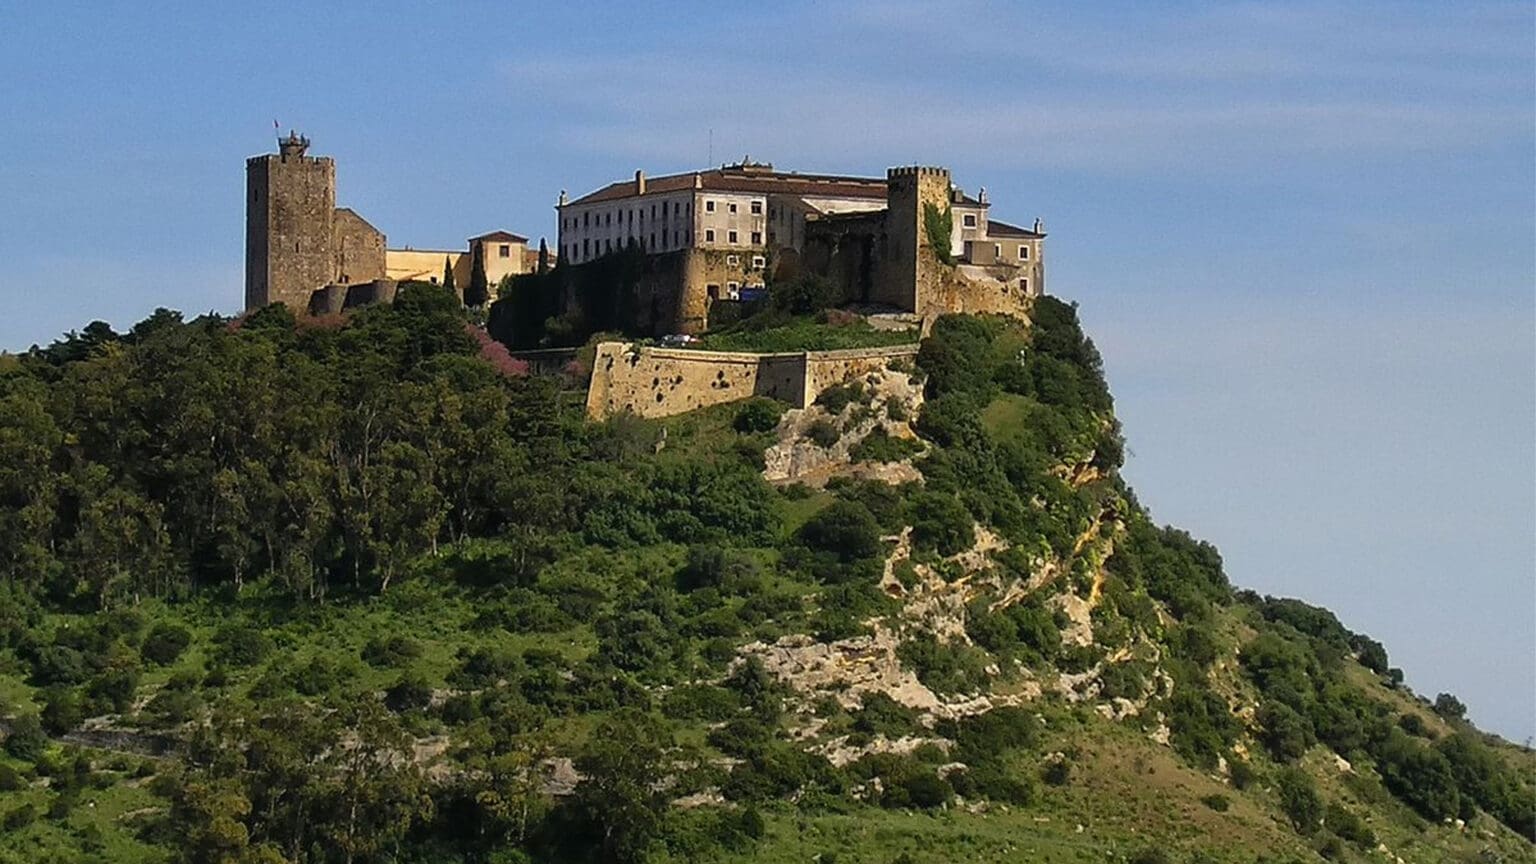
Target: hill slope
(361,591)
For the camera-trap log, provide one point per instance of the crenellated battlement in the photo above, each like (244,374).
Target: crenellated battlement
(916,171)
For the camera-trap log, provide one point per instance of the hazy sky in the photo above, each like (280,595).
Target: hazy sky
(1304,236)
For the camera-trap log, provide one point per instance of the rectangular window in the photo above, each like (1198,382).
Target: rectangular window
(757,238)
(709,206)
(1023,253)
(608,218)
(997,251)
(730,237)
(757,207)
(504,250)
(734,286)
(653,239)
(733,206)
(584,250)
(970,220)
(585,219)
(1024,285)
(609,245)
(759,262)
(709,235)
(653,211)
(732,260)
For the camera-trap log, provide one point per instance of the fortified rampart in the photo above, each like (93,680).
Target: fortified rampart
(660,382)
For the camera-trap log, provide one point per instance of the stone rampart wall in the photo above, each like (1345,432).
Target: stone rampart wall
(660,382)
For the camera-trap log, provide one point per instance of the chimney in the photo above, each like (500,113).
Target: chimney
(639,182)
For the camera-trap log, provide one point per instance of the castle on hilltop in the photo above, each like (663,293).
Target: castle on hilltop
(708,241)
(303,251)
(912,241)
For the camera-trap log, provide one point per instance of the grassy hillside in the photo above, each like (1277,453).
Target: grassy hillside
(361,591)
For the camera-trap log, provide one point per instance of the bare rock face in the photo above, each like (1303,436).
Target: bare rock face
(798,458)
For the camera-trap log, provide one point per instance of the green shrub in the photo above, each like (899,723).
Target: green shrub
(1216,801)
(1285,733)
(758,414)
(240,646)
(20,817)
(940,523)
(1241,773)
(391,652)
(1349,826)
(317,677)
(700,702)
(1202,725)
(823,432)
(945,669)
(1124,680)
(1057,772)
(1299,800)
(409,693)
(165,643)
(879,714)
(840,396)
(879,446)
(844,529)
(62,710)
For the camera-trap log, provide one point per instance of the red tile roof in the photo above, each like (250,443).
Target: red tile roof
(749,181)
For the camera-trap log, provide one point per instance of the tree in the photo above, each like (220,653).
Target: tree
(478,292)
(448,275)
(543,257)
(1450,708)
(619,795)
(1300,801)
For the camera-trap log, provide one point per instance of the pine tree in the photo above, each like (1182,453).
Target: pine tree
(479,291)
(448,275)
(543,256)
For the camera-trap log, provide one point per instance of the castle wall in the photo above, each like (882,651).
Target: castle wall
(289,224)
(660,382)
(359,249)
(827,368)
(426,265)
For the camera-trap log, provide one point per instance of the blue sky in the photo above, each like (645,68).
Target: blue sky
(1303,235)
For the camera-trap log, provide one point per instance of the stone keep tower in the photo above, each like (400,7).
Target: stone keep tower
(906,259)
(290,212)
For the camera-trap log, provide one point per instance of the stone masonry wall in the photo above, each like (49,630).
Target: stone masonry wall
(660,382)
(359,249)
(826,368)
(290,214)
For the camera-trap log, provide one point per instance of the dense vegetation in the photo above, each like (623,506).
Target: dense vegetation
(352,590)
